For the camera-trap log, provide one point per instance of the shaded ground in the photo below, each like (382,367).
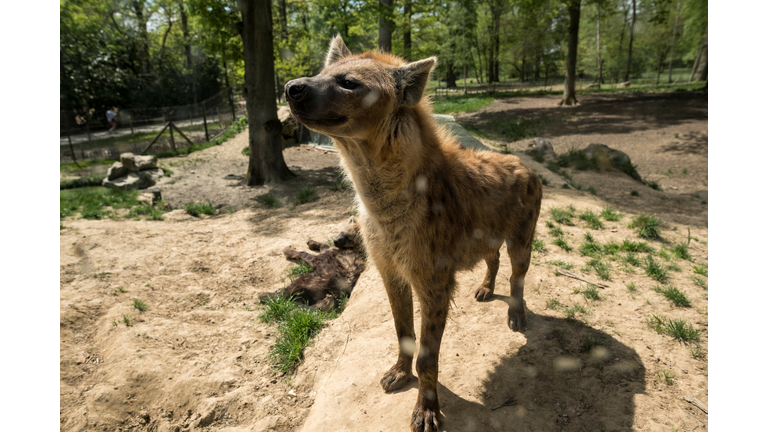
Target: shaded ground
(197,358)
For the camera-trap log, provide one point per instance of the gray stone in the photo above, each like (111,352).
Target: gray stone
(134,163)
(616,157)
(135,180)
(269,423)
(541,145)
(116,170)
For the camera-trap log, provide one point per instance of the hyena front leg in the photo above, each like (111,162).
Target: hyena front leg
(401,302)
(485,291)
(520,257)
(434,311)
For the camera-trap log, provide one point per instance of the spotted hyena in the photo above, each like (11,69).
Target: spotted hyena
(427,207)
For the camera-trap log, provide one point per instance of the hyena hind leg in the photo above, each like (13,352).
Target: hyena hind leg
(485,291)
(520,257)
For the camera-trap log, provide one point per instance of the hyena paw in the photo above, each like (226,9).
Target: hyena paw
(516,318)
(483,294)
(424,419)
(394,379)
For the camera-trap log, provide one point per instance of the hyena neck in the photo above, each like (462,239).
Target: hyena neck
(384,169)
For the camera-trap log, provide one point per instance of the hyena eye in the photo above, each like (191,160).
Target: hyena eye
(348,84)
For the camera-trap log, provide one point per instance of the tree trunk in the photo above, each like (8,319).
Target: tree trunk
(188,49)
(407,12)
(674,35)
(490,55)
(574,12)
(701,70)
(283,21)
(497,49)
(695,63)
(385,26)
(265,162)
(138,9)
(621,41)
(660,66)
(631,37)
(599,63)
(162,46)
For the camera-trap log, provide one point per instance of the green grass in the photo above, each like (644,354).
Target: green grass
(592,190)
(611,215)
(562,243)
(663,254)
(632,246)
(246,151)
(602,269)
(128,321)
(90,201)
(305,195)
(269,201)
(634,193)
(652,184)
(296,271)
(544,180)
(561,216)
(590,342)
(700,281)
(702,270)
(678,328)
(667,377)
(341,183)
(458,104)
(571,311)
(200,208)
(578,159)
(556,232)
(151,212)
(538,245)
(513,130)
(647,226)
(554,304)
(72,167)
(590,247)
(140,305)
(631,287)
(591,293)
(676,296)
(92,179)
(276,308)
(680,250)
(562,264)
(592,220)
(654,270)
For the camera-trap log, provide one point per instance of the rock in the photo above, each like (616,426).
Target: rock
(608,158)
(625,84)
(289,125)
(134,163)
(542,146)
(269,423)
(146,198)
(116,170)
(156,193)
(135,180)
(207,417)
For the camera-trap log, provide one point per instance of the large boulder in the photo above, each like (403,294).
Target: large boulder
(134,163)
(135,180)
(117,170)
(541,147)
(608,158)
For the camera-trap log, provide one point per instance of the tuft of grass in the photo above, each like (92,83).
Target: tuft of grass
(578,159)
(702,270)
(666,377)
(591,293)
(602,269)
(562,243)
(631,287)
(341,183)
(571,311)
(680,250)
(296,330)
(118,290)
(90,201)
(538,245)
(554,304)
(140,305)
(634,193)
(246,151)
(543,179)
(549,224)
(128,321)
(152,212)
(592,190)
(590,342)
(199,208)
(631,259)
(269,201)
(296,271)
(653,184)
(700,281)
(277,308)
(697,352)
(663,254)
(611,215)
(562,264)
(674,267)
(676,296)
(305,195)
(459,104)
(647,226)
(561,216)
(631,246)
(655,271)
(678,328)
(556,232)
(592,220)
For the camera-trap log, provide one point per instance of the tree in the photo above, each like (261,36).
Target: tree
(674,36)
(385,26)
(574,13)
(265,162)
(631,37)
(701,67)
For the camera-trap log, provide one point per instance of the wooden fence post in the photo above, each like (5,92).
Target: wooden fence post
(173,144)
(205,123)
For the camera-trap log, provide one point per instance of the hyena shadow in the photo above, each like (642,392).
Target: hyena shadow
(567,376)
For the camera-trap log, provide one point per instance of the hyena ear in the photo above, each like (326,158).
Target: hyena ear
(413,79)
(337,51)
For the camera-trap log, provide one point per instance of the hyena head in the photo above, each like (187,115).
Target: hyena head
(349,237)
(355,94)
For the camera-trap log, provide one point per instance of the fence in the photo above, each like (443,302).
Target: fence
(87,135)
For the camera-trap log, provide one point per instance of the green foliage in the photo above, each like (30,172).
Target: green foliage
(296,271)
(562,264)
(678,328)
(277,308)
(591,293)
(631,287)
(153,213)
(561,216)
(654,270)
(140,305)
(631,259)
(538,246)
(305,195)
(702,270)
(562,243)
(577,159)
(543,179)
(571,311)
(199,208)
(652,184)
(602,269)
(341,183)
(647,226)
(269,201)
(90,201)
(700,281)
(458,104)
(556,231)
(592,220)
(296,330)
(611,215)
(590,342)
(680,250)
(631,246)
(676,296)
(554,304)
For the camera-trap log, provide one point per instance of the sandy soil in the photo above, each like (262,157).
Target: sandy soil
(197,359)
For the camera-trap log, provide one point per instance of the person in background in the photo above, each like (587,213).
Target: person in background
(111,119)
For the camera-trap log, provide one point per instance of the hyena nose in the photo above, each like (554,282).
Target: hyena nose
(295,91)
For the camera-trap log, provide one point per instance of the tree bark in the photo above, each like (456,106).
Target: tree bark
(283,21)
(496,41)
(385,26)
(621,41)
(188,49)
(138,9)
(599,63)
(631,37)
(674,36)
(265,162)
(407,12)
(574,12)
(701,70)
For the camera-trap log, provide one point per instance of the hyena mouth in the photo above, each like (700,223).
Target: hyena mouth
(327,121)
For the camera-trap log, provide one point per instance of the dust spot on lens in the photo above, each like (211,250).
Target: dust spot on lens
(370,98)
(520,411)
(566,363)
(421,184)
(286,54)
(429,394)
(408,345)
(600,353)
(477,233)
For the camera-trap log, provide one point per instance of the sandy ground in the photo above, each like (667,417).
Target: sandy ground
(197,358)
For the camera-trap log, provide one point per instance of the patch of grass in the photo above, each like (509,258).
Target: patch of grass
(578,159)
(550,224)
(630,169)
(678,328)
(591,293)
(634,193)
(680,250)
(277,308)
(199,208)
(457,104)
(515,130)
(296,271)
(676,296)
(93,179)
(246,151)
(128,321)
(538,156)
(140,305)
(554,304)
(296,330)
(152,212)
(592,220)
(562,243)
(305,195)
(118,290)
(674,267)
(543,179)
(663,254)
(590,342)
(341,183)
(647,226)
(562,264)
(602,269)
(590,247)
(697,352)
(655,271)
(592,190)
(702,270)
(611,215)
(72,167)
(571,311)
(653,184)
(631,246)
(631,287)
(611,248)
(556,232)
(700,281)
(666,377)
(269,201)
(90,201)
(538,246)
(561,216)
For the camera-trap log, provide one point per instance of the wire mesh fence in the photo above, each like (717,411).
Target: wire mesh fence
(87,135)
